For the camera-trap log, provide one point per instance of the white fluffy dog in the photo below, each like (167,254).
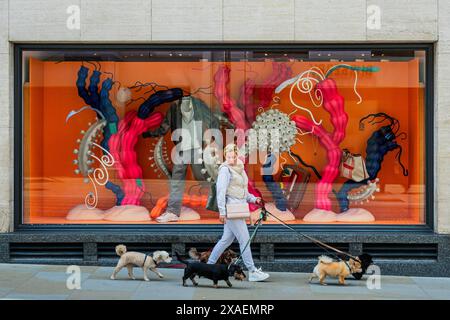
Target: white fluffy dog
(138,259)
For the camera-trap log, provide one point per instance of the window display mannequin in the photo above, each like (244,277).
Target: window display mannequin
(194,117)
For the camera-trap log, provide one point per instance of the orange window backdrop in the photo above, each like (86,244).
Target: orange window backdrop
(52,189)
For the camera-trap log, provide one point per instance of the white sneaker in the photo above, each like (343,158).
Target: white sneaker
(258,275)
(167,217)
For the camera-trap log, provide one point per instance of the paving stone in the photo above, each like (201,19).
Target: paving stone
(60,277)
(435,288)
(99,295)
(400,291)
(84,269)
(110,285)
(161,290)
(251,291)
(29,296)
(105,273)
(325,296)
(5,267)
(4,291)
(42,287)
(438,294)
(397,280)
(14,278)
(432,283)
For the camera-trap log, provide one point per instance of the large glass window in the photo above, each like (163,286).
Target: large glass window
(327,136)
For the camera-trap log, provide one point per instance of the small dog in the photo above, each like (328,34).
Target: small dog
(227,257)
(132,259)
(214,272)
(341,269)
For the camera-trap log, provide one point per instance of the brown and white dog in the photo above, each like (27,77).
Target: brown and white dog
(340,269)
(137,259)
(227,257)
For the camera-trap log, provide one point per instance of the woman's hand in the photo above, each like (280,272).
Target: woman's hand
(223,219)
(259,201)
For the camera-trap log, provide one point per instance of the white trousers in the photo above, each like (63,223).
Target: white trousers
(234,228)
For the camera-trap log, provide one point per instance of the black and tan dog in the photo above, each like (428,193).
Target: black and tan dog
(214,272)
(227,257)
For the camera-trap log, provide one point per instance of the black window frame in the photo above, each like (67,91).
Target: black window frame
(427,227)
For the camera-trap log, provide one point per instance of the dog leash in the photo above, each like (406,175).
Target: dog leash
(262,217)
(314,240)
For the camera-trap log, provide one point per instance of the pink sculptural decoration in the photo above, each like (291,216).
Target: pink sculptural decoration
(333,103)
(122,143)
(122,147)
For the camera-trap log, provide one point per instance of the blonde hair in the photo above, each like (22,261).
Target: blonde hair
(230,148)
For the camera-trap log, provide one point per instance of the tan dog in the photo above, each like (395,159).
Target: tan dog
(329,267)
(132,259)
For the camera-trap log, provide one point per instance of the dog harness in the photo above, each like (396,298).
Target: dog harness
(145,258)
(349,269)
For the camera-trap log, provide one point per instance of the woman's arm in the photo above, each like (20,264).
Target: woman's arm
(250,198)
(222,183)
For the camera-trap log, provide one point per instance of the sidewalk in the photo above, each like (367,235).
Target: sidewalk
(18,281)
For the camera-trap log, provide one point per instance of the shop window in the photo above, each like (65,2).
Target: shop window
(345,133)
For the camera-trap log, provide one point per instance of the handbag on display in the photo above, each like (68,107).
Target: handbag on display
(294,180)
(353,166)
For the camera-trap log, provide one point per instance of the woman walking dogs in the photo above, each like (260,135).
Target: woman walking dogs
(232,191)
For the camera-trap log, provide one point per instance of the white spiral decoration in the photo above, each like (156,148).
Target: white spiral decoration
(107,159)
(100,176)
(305,83)
(91,199)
